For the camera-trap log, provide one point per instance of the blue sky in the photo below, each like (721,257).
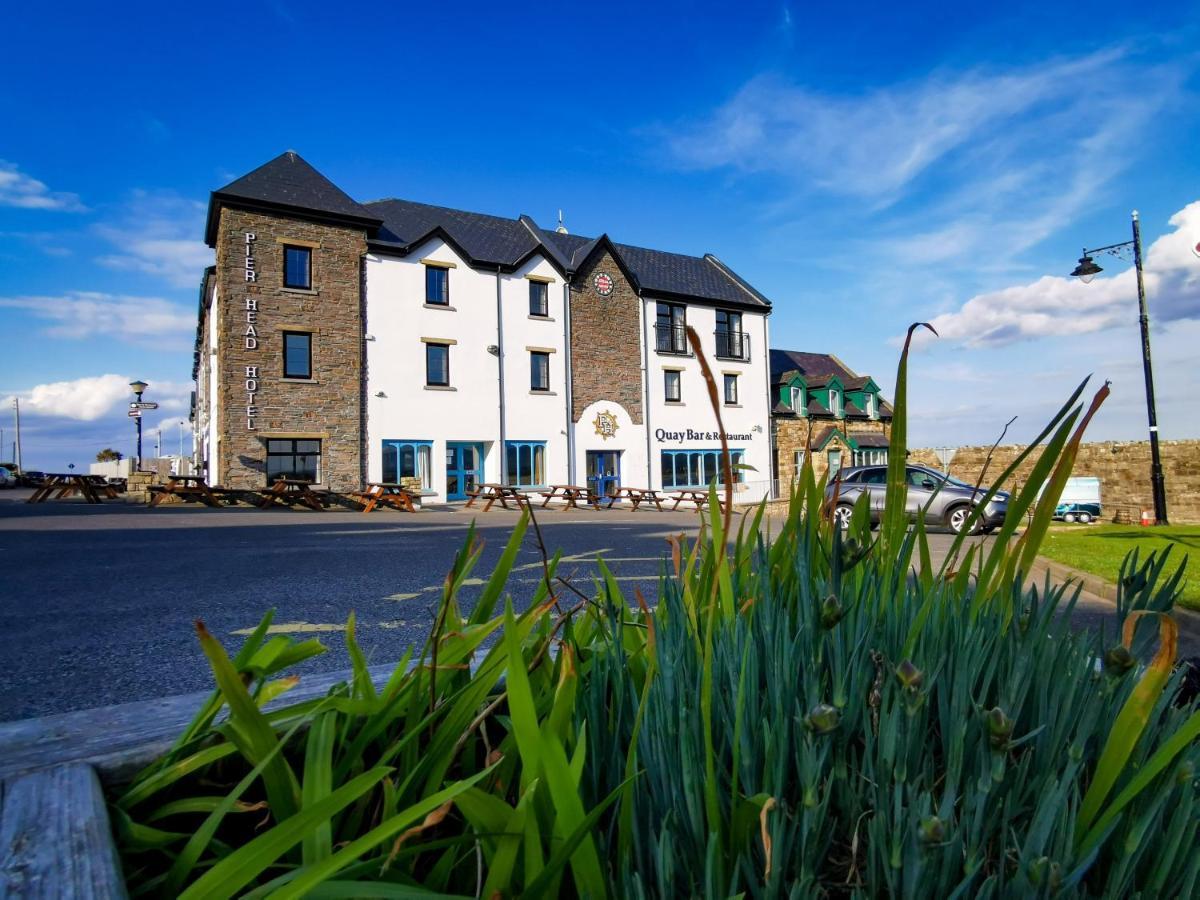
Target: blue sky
(864,169)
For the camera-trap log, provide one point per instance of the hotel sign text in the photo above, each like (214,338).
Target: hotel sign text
(251,335)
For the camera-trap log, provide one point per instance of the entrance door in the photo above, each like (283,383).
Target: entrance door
(604,471)
(464,468)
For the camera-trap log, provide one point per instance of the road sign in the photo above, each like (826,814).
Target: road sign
(135,413)
(141,405)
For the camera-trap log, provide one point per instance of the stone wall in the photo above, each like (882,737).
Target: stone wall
(606,346)
(329,406)
(792,435)
(1123,468)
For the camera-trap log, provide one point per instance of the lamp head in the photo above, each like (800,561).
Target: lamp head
(1087,269)
(138,387)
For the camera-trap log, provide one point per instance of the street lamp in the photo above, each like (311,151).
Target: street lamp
(1085,272)
(138,388)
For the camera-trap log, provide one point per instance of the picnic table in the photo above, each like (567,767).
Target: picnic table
(61,485)
(190,488)
(698,496)
(501,493)
(570,494)
(385,493)
(636,496)
(291,490)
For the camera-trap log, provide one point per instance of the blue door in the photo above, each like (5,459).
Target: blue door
(604,471)
(464,468)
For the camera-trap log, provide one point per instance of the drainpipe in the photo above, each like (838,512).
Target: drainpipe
(773,486)
(500,359)
(646,386)
(568,378)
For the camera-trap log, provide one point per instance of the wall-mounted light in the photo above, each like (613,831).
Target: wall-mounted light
(380,394)
(369,337)
(493,349)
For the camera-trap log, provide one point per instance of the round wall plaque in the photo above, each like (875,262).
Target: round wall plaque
(603,283)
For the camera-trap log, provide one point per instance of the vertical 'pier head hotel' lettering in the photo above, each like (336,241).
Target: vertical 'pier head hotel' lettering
(394,341)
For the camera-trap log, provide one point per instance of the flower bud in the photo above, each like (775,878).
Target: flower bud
(1118,660)
(823,718)
(831,611)
(1000,727)
(909,676)
(932,830)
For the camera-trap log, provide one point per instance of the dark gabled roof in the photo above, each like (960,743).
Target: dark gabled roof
(853,412)
(482,239)
(817,408)
(821,436)
(854,384)
(782,409)
(810,365)
(289,184)
(869,438)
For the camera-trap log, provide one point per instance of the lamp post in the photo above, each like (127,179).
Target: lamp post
(1085,272)
(139,388)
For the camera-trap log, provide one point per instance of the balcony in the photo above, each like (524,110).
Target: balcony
(733,345)
(671,338)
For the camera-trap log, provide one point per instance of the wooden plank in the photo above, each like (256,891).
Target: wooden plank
(120,740)
(55,839)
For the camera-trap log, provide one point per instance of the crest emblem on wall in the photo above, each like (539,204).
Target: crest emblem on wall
(603,283)
(606,425)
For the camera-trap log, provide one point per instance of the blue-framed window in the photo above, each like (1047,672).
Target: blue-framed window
(408,459)
(696,468)
(297,267)
(525,463)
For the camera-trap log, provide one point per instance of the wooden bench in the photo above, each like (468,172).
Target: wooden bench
(385,493)
(292,491)
(695,496)
(571,495)
(493,493)
(189,488)
(636,496)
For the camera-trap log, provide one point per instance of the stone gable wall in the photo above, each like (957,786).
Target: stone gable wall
(1123,468)
(330,406)
(793,434)
(606,342)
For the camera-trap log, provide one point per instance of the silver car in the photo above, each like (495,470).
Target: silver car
(946,500)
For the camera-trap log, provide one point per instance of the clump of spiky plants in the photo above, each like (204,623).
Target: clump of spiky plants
(807,711)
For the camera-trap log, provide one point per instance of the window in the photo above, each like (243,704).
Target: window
(670,328)
(731,342)
(798,400)
(526,463)
(297,267)
(437,364)
(671,386)
(408,459)
(797,462)
(835,402)
(297,354)
(871,457)
(731,390)
(437,285)
(293,459)
(871,406)
(539,370)
(697,468)
(539,295)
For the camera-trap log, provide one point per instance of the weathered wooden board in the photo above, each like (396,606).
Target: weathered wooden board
(55,840)
(119,740)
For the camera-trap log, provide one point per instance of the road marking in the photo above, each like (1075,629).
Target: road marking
(293,628)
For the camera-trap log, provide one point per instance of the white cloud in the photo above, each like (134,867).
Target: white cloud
(26,192)
(158,234)
(1063,306)
(88,314)
(93,397)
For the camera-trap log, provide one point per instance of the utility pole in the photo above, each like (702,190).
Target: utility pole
(17,445)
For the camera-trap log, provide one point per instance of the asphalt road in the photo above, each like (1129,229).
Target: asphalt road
(97,602)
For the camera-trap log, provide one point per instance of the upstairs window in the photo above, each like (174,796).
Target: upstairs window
(437,365)
(798,400)
(872,407)
(539,371)
(671,386)
(539,299)
(297,354)
(297,267)
(670,328)
(731,390)
(731,342)
(835,402)
(437,285)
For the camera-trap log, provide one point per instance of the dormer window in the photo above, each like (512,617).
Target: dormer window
(872,409)
(798,401)
(835,402)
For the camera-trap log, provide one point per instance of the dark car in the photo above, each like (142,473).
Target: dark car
(946,500)
(32,479)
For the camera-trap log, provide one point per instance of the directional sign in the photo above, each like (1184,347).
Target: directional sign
(141,405)
(135,413)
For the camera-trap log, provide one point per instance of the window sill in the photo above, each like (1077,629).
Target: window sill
(540,318)
(741,359)
(444,307)
(683,353)
(674,403)
(310,292)
(534,393)
(440,387)
(294,380)
(732,405)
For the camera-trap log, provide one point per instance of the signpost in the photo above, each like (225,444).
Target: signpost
(141,405)
(135,414)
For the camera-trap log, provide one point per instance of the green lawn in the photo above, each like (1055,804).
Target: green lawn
(1099,549)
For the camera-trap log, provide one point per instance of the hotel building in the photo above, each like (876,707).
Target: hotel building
(395,341)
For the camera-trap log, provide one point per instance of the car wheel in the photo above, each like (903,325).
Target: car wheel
(1069,517)
(1085,518)
(957,520)
(841,515)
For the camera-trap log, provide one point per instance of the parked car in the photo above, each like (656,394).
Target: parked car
(946,500)
(6,479)
(31,479)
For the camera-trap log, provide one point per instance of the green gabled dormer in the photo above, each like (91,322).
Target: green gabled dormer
(827,396)
(863,398)
(793,394)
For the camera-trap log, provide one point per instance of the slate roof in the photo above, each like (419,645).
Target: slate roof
(810,365)
(289,183)
(817,408)
(869,438)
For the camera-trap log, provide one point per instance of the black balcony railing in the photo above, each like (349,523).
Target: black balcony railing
(733,345)
(670,338)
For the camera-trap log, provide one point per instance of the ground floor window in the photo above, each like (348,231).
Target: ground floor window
(872,457)
(408,459)
(696,468)
(526,463)
(797,463)
(300,458)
